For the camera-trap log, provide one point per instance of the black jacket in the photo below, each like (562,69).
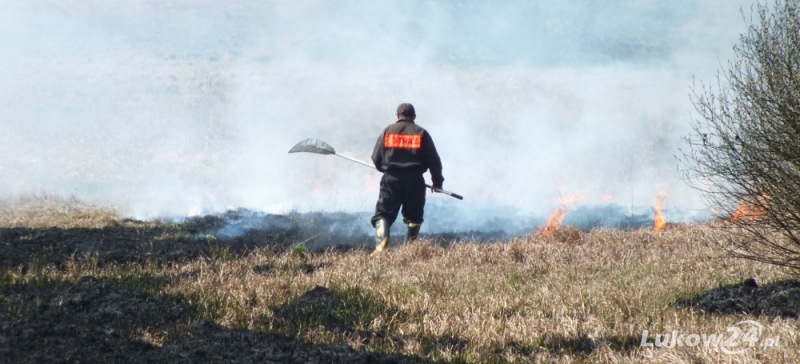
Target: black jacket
(405,147)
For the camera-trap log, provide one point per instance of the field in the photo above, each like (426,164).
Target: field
(82,284)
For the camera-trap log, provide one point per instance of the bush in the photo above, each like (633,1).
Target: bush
(744,151)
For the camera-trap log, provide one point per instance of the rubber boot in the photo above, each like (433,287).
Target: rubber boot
(381,236)
(412,232)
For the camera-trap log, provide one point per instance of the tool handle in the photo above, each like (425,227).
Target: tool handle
(455,195)
(356,160)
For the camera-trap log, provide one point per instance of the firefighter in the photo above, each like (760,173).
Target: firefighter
(403,152)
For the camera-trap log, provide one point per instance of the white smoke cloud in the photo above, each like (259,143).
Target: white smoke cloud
(185,107)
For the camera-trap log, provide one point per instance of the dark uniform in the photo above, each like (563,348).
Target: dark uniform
(403,152)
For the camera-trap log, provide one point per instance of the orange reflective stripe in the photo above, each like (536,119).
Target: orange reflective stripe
(407,141)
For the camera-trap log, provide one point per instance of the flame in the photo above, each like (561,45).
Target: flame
(658,221)
(555,219)
(553,222)
(608,198)
(747,211)
(742,212)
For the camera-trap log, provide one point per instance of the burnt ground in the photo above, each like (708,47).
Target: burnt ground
(776,299)
(130,242)
(107,321)
(91,320)
(233,233)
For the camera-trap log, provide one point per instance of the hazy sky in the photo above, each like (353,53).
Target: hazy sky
(185,107)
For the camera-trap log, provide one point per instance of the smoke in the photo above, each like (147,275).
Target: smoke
(189,107)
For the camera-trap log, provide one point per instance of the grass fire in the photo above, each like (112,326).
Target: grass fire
(502,188)
(79,282)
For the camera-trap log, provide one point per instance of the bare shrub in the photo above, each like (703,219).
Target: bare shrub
(743,153)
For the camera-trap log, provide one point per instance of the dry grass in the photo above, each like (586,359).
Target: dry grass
(45,211)
(569,297)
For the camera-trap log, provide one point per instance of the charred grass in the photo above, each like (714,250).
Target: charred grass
(82,284)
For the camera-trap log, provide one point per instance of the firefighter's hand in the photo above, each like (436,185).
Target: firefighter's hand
(436,188)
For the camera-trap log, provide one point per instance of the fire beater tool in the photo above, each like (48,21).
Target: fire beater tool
(319,147)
